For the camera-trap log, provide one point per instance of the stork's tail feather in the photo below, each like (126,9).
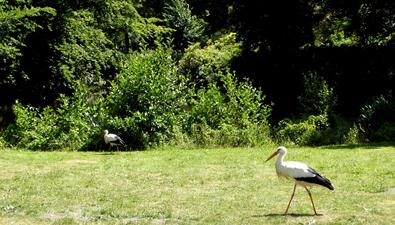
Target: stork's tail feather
(120,142)
(327,183)
(123,143)
(317,179)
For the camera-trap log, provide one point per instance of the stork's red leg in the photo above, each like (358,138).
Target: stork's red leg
(311,198)
(292,196)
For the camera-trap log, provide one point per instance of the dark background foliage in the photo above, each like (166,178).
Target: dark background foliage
(51,51)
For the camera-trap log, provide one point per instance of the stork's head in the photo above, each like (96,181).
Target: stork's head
(105,132)
(280,150)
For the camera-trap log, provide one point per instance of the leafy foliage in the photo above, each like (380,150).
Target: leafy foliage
(202,63)
(110,61)
(68,126)
(85,50)
(16,24)
(302,132)
(19,22)
(147,105)
(149,92)
(318,97)
(332,31)
(377,119)
(126,28)
(363,23)
(187,27)
(232,113)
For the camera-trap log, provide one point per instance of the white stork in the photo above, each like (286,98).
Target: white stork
(303,175)
(113,139)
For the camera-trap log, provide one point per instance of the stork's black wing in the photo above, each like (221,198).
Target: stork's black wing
(317,179)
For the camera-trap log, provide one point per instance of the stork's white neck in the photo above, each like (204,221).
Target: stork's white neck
(280,158)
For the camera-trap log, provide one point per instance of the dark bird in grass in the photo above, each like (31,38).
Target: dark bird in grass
(113,139)
(303,175)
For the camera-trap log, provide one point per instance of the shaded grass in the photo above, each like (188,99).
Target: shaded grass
(211,186)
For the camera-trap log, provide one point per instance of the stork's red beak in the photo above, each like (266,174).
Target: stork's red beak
(270,157)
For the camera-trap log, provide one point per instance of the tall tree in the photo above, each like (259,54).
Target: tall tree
(19,21)
(187,27)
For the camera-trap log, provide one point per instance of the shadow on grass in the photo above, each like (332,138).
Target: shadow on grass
(116,152)
(105,153)
(360,146)
(290,214)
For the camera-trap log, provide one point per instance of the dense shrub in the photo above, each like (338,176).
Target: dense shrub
(318,130)
(229,113)
(318,97)
(341,131)
(68,126)
(149,96)
(85,51)
(228,135)
(223,111)
(352,136)
(377,119)
(317,121)
(149,103)
(302,132)
(128,128)
(3,143)
(158,104)
(202,63)
(187,27)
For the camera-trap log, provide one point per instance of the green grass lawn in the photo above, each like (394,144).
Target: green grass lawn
(212,186)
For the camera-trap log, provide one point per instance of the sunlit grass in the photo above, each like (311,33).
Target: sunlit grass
(212,186)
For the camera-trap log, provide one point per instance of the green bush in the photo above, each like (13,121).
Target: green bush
(318,97)
(203,63)
(85,51)
(150,95)
(187,27)
(3,143)
(31,129)
(228,135)
(319,124)
(128,129)
(386,132)
(68,126)
(228,112)
(149,103)
(352,136)
(150,100)
(377,119)
(302,132)
(341,131)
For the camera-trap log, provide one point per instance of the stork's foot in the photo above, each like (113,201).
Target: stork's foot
(286,211)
